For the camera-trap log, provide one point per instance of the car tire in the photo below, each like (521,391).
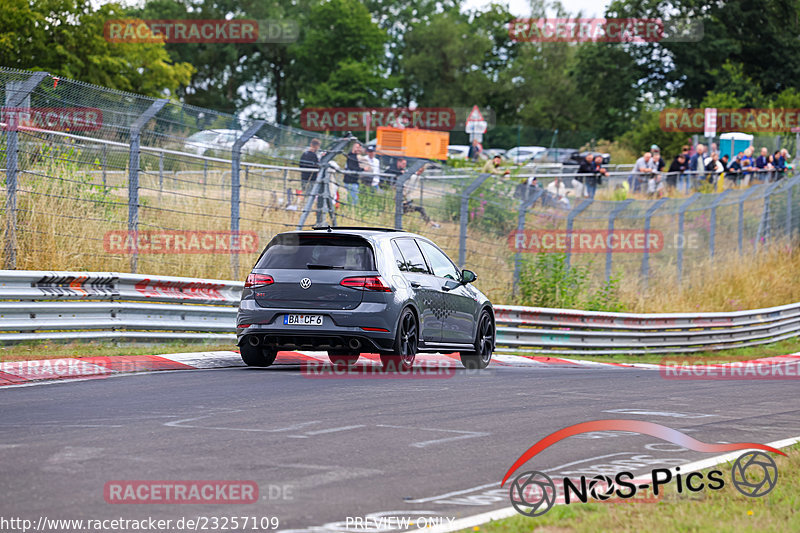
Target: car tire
(484,344)
(257,356)
(342,358)
(406,343)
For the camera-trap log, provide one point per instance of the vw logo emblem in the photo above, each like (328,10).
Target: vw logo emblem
(305,283)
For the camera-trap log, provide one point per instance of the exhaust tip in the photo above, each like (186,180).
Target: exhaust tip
(253,340)
(354,344)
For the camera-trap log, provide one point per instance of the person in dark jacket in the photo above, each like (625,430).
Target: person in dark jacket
(596,178)
(586,167)
(352,168)
(309,159)
(678,166)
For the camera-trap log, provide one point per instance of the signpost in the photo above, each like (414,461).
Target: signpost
(710,125)
(476,125)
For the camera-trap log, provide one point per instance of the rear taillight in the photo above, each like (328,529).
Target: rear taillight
(366,283)
(258,280)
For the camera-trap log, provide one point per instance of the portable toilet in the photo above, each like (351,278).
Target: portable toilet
(732,143)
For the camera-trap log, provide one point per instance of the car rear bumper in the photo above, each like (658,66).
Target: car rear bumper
(364,328)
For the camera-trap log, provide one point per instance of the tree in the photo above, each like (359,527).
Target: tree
(339,58)
(65,38)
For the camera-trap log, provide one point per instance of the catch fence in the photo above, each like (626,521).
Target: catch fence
(114,181)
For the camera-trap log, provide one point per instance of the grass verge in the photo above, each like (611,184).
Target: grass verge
(718,510)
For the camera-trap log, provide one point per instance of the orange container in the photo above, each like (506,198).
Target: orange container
(412,142)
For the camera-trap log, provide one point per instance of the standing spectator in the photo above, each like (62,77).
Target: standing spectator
(762,164)
(658,161)
(715,168)
(779,162)
(309,159)
(585,170)
(397,170)
(747,166)
(676,173)
(475,151)
(642,171)
(409,189)
(596,178)
(557,194)
(374,167)
(697,164)
(724,160)
(352,169)
(734,172)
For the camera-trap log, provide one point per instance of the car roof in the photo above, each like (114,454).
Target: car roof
(373,233)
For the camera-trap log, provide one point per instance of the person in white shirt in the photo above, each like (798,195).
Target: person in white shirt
(558,193)
(374,166)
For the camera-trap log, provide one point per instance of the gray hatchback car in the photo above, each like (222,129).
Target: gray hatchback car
(360,290)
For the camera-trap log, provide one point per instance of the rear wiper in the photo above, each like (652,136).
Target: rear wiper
(323,267)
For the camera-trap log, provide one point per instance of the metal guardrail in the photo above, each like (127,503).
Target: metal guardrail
(41,305)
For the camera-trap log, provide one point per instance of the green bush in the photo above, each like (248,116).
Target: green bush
(547,281)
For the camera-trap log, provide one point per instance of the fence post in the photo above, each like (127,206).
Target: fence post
(523,209)
(681,239)
(742,199)
(646,255)
(614,212)
(321,179)
(763,225)
(161,171)
(236,158)
(15,98)
(570,219)
(712,230)
(105,160)
(462,236)
(789,194)
(133,174)
(413,166)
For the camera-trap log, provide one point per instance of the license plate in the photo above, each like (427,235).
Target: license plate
(302,320)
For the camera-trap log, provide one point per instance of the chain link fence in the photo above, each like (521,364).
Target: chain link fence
(102,180)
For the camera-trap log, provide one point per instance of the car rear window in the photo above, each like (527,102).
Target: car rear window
(322,251)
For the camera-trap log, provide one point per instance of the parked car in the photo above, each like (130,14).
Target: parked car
(353,290)
(206,141)
(521,155)
(491,152)
(555,155)
(457,151)
(578,157)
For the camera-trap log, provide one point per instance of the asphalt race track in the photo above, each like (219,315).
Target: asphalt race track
(322,450)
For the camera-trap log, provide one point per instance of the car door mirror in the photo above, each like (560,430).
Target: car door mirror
(468,276)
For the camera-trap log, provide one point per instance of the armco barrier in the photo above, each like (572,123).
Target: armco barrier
(108,305)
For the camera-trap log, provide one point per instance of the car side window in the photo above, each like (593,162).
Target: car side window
(440,263)
(410,259)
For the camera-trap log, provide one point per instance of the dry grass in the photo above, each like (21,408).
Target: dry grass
(736,283)
(62,224)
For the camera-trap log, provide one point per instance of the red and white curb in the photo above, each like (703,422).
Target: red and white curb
(53,370)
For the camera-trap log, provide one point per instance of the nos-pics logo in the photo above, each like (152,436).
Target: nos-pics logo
(533,493)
